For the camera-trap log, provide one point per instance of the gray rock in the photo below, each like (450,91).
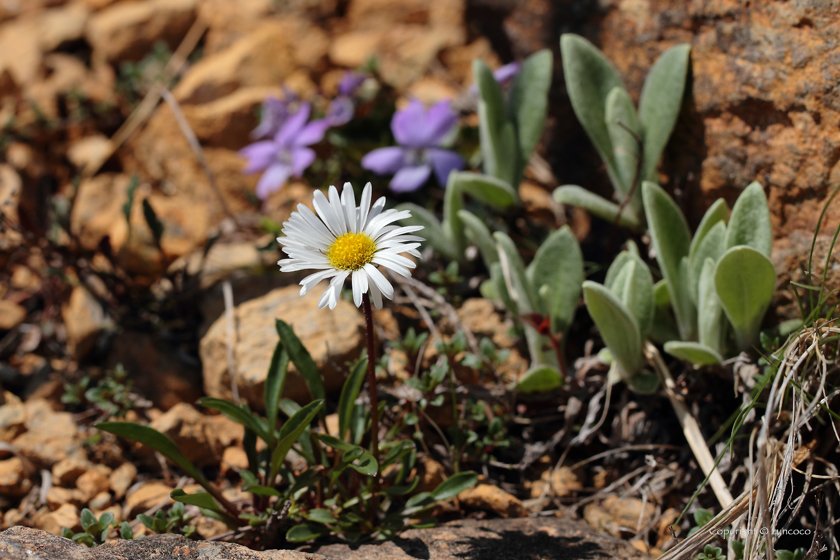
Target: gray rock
(528,538)
(23,543)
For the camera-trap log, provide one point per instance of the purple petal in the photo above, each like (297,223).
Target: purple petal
(341,111)
(506,72)
(274,114)
(311,133)
(293,125)
(385,160)
(409,125)
(444,163)
(350,82)
(439,121)
(259,156)
(272,180)
(301,159)
(410,178)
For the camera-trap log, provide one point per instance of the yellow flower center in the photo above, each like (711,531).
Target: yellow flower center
(351,251)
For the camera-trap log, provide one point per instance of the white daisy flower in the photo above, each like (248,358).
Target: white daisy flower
(343,241)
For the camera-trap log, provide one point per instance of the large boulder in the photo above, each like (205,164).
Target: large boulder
(332,337)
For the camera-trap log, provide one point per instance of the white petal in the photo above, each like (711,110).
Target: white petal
(322,207)
(348,201)
(364,207)
(358,287)
(379,279)
(375,295)
(313,279)
(337,210)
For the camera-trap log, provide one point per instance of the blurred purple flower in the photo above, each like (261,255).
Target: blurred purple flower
(287,153)
(275,111)
(343,107)
(504,75)
(419,132)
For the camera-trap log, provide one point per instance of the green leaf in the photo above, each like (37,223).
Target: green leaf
(711,325)
(200,499)
(519,287)
(306,532)
(479,235)
(634,288)
(154,439)
(349,394)
(589,79)
(496,133)
(750,221)
(320,515)
(644,383)
(454,485)
(712,247)
(702,517)
(274,382)
(528,102)
(238,414)
(152,220)
(694,352)
(574,195)
(453,228)
(617,326)
(745,280)
(492,191)
(558,265)
(291,431)
(660,102)
(87,519)
(625,133)
(497,276)
(432,230)
(540,379)
(301,358)
(615,268)
(129,203)
(717,212)
(362,460)
(671,240)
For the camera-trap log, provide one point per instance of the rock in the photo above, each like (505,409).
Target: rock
(431,474)
(53,521)
(230,21)
(100,501)
(234,459)
(227,122)
(19,543)
(98,211)
(146,497)
(481,317)
(122,478)
(544,538)
(13,478)
(90,152)
(58,497)
(12,420)
(50,437)
(92,483)
(127,30)
(11,314)
(266,56)
(225,430)
(193,436)
(618,516)
(564,482)
(66,472)
(331,337)
(84,319)
(159,374)
(487,497)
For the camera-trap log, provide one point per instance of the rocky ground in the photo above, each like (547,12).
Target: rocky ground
(85,286)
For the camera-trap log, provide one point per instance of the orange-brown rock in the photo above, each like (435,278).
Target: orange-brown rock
(187,427)
(488,497)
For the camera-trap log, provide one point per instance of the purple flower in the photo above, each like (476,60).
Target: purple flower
(275,111)
(419,132)
(343,107)
(503,75)
(286,154)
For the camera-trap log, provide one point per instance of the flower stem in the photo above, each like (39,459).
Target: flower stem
(374,401)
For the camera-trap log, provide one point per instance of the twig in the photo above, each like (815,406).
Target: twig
(230,327)
(691,430)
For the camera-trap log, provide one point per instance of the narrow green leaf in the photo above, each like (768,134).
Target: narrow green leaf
(717,212)
(301,358)
(712,247)
(154,439)
(321,515)
(745,280)
(528,102)
(274,382)
(574,195)
(200,499)
(362,460)
(634,288)
(519,287)
(497,134)
(478,234)
(694,352)
(291,431)
(488,189)
(711,325)
(617,326)
(625,134)
(306,532)
(660,102)
(453,202)
(540,379)
(558,264)
(432,230)
(454,485)
(671,241)
(615,268)
(497,276)
(238,415)
(129,203)
(750,221)
(349,394)
(589,79)
(152,220)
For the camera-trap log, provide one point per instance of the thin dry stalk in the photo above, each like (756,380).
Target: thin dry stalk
(230,328)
